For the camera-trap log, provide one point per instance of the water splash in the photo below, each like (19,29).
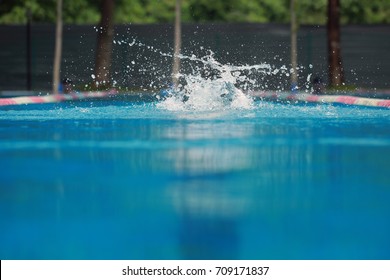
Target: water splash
(212,85)
(206,84)
(199,93)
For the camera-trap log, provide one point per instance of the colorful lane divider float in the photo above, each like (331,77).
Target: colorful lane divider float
(262,95)
(313,98)
(53,98)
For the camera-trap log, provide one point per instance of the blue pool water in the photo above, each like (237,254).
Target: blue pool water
(131,180)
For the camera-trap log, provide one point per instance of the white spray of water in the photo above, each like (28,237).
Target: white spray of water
(211,85)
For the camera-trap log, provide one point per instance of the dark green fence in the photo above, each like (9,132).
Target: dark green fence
(365,50)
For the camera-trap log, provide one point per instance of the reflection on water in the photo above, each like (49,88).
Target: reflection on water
(252,186)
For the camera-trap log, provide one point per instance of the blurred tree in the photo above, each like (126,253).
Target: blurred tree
(58,49)
(105,36)
(365,11)
(161,11)
(14,11)
(153,11)
(294,49)
(74,11)
(177,43)
(204,10)
(312,12)
(238,11)
(131,11)
(336,72)
(81,11)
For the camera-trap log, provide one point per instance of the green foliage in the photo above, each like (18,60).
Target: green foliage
(14,11)
(74,11)
(238,11)
(365,11)
(81,11)
(155,11)
(160,11)
(312,12)
(130,11)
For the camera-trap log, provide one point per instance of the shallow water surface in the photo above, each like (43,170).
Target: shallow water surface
(132,180)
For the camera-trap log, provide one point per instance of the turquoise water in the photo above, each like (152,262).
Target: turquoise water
(131,180)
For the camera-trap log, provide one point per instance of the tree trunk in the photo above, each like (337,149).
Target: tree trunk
(28,49)
(294,51)
(58,49)
(104,44)
(336,71)
(176,59)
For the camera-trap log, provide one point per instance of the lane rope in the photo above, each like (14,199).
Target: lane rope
(312,98)
(53,98)
(262,95)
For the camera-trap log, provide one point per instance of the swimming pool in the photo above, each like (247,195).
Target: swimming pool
(114,179)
